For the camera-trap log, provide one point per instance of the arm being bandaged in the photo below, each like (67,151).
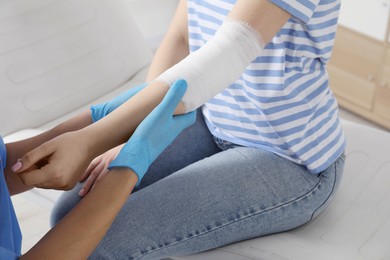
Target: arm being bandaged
(217,64)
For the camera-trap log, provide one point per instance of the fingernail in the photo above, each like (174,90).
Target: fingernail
(17,166)
(81,193)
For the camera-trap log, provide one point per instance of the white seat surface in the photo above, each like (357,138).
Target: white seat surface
(356,226)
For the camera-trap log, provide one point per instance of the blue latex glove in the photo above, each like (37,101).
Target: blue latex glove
(158,130)
(101,110)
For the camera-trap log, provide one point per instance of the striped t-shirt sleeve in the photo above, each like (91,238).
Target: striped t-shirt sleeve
(282,102)
(302,10)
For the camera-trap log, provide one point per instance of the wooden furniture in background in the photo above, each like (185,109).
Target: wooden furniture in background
(360,66)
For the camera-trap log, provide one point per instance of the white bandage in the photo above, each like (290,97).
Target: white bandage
(217,64)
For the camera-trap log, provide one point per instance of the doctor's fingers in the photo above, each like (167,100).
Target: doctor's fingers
(46,177)
(38,156)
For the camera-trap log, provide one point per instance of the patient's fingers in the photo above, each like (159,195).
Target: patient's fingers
(101,175)
(92,184)
(94,174)
(95,162)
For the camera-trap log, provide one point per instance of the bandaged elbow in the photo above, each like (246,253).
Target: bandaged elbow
(217,64)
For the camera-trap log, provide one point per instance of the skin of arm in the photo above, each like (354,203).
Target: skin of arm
(265,17)
(174,46)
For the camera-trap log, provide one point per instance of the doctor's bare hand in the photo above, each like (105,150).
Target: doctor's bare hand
(56,164)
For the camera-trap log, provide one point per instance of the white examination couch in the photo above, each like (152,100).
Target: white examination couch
(59,56)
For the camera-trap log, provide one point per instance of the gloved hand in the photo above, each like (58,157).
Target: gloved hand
(101,110)
(158,130)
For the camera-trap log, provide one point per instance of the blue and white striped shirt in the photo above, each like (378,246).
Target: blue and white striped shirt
(282,102)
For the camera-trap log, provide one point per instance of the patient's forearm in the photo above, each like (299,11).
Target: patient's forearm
(174,46)
(117,127)
(80,231)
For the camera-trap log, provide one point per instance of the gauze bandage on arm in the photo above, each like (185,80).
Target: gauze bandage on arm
(217,64)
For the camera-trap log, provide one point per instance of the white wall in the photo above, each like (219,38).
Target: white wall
(369,17)
(152,17)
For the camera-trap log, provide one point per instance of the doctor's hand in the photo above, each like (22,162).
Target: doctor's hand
(56,164)
(158,130)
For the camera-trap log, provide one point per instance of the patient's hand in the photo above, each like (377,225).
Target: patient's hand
(58,163)
(97,169)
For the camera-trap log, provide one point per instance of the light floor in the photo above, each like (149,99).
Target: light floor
(33,213)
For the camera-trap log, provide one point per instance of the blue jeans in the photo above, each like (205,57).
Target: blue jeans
(200,195)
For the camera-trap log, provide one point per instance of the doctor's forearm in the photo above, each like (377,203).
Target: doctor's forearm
(80,231)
